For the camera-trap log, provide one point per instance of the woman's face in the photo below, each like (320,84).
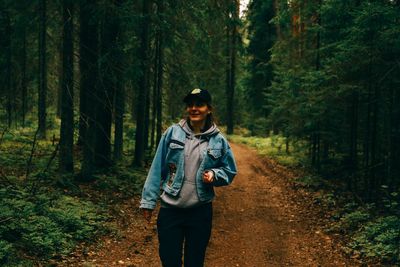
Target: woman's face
(197,111)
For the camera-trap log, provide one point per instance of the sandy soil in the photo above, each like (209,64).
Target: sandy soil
(260,220)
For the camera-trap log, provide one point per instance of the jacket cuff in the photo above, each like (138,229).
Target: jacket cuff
(147,205)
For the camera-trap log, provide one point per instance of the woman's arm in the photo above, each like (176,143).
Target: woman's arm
(224,175)
(151,188)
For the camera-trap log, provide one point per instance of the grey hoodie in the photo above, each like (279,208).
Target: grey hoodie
(195,146)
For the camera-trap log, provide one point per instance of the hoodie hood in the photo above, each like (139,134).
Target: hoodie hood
(209,132)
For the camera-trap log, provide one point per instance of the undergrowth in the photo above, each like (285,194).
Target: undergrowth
(44,225)
(45,215)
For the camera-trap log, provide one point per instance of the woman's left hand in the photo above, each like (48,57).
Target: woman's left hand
(208,177)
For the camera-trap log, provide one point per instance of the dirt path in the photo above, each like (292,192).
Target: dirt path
(258,221)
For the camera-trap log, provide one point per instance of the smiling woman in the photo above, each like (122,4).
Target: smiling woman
(191,159)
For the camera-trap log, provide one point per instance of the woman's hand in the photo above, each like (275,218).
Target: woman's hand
(208,177)
(147,213)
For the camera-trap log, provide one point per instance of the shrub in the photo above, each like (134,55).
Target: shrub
(380,238)
(351,221)
(45,225)
(6,249)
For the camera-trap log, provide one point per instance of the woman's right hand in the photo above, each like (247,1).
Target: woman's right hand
(147,213)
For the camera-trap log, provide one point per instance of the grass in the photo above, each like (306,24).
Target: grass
(274,147)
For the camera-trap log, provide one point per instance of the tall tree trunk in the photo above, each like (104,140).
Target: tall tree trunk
(42,70)
(158,76)
(143,87)
(160,71)
(395,140)
(24,86)
(354,132)
(367,142)
(119,117)
(317,68)
(119,91)
(66,164)
(89,76)
(232,37)
(277,25)
(147,115)
(154,104)
(60,81)
(8,69)
(375,184)
(105,91)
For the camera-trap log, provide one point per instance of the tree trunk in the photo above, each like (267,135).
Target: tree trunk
(8,69)
(160,71)
(89,76)
(67,109)
(24,86)
(394,173)
(158,77)
(105,91)
(367,144)
(119,92)
(119,118)
(147,115)
(42,70)
(154,105)
(375,184)
(232,50)
(143,87)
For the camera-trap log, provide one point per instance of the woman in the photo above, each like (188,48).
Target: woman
(192,157)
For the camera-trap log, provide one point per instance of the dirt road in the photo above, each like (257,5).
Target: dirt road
(258,221)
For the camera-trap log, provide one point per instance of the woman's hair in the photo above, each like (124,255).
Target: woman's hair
(210,118)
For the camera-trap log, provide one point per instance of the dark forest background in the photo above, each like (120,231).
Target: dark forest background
(88,87)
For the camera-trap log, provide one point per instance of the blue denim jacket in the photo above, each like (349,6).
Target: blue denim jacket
(167,169)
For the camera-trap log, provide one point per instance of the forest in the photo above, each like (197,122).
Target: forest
(88,87)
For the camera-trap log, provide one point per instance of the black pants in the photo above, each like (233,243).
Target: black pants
(189,227)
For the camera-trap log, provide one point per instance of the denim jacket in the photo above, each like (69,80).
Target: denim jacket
(167,169)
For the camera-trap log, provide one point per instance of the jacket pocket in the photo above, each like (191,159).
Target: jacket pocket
(176,144)
(215,153)
(175,150)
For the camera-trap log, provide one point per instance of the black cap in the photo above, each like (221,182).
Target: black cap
(198,93)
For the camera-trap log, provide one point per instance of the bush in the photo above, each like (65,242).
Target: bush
(6,249)
(45,225)
(380,238)
(353,220)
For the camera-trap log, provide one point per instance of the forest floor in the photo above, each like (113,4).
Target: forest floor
(262,219)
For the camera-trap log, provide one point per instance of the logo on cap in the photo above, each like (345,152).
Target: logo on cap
(196,91)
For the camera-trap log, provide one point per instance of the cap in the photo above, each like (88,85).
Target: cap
(199,94)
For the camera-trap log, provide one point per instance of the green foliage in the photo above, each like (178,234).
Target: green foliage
(45,225)
(258,126)
(372,236)
(353,220)
(379,238)
(5,250)
(273,146)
